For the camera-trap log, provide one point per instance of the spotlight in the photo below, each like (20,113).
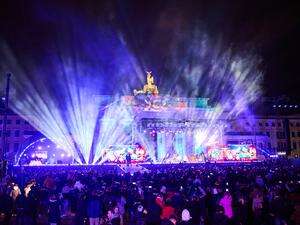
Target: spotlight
(39,147)
(62,155)
(32,155)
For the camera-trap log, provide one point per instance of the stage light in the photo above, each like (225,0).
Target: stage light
(62,155)
(39,147)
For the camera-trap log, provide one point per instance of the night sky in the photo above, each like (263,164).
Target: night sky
(271,29)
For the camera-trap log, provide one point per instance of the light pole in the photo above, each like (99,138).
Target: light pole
(4,130)
(254,132)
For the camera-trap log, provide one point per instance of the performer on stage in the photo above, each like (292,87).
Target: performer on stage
(128,159)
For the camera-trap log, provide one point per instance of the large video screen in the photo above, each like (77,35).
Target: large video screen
(233,152)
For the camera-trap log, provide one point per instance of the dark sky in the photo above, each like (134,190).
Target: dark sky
(271,28)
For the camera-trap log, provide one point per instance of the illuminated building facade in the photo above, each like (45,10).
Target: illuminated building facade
(294,128)
(18,130)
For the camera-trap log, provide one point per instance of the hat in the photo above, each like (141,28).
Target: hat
(185,215)
(140,208)
(163,189)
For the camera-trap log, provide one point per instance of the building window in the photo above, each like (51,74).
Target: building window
(291,124)
(0,133)
(26,122)
(17,133)
(298,133)
(268,134)
(247,124)
(266,124)
(29,132)
(18,121)
(279,124)
(1,121)
(294,145)
(277,134)
(260,124)
(8,121)
(8,133)
(280,135)
(273,124)
(293,134)
(298,124)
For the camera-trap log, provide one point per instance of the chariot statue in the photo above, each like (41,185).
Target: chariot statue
(149,88)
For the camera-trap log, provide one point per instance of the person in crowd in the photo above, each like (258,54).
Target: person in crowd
(167,210)
(219,217)
(138,217)
(94,210)
(121,202)
(49,183)
(153,212)
(186,218)
(257,205)
(53,210)
(241,209)
(6,206)
(116,217)
(226,203)
(15,192)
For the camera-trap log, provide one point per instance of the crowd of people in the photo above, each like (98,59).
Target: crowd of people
(182,194)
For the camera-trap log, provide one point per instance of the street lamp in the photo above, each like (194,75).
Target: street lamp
(4,130)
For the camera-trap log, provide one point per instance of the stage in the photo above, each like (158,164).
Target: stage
(149,127)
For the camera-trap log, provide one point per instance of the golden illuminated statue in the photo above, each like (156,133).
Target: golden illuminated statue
(149,88)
